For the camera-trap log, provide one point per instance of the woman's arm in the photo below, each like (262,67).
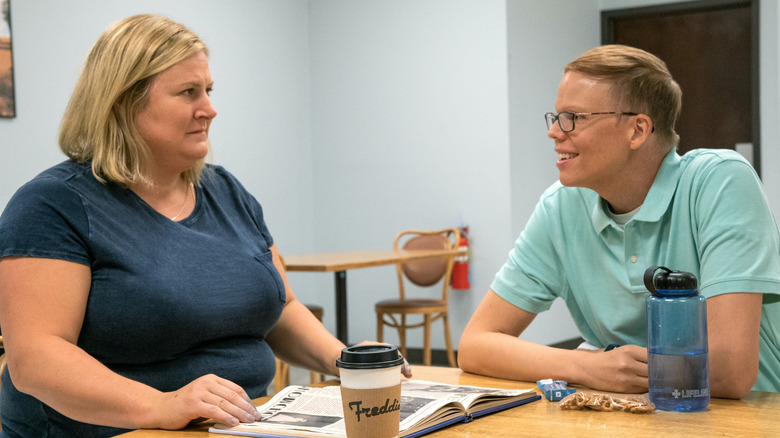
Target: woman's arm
(299,338)
(42,307)
(490,346)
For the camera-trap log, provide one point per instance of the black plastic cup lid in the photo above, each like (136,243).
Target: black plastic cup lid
(364,357)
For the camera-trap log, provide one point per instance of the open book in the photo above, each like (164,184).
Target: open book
(303,411)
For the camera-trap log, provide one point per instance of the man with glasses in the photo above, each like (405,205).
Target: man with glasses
(626,201)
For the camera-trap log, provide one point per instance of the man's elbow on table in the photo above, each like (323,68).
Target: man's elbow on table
(476,354)
(733,372)
(737,384)
(468,354)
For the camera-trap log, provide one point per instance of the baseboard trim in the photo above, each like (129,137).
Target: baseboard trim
(438,357)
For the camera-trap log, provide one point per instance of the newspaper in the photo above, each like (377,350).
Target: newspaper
(306,411)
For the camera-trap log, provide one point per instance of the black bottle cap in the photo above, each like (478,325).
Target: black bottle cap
(669,283)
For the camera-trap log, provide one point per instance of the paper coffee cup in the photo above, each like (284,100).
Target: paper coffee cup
(371,390)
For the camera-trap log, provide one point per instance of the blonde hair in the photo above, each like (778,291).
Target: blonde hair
(99,123)
(641,83)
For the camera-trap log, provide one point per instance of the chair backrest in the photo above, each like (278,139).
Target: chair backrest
(427,272)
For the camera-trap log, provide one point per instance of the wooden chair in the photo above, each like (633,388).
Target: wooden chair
(423,272)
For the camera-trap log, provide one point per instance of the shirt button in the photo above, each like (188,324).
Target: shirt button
(634,259)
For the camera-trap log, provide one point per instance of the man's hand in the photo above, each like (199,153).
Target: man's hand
(622,369)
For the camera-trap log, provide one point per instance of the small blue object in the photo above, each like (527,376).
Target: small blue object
(554,390)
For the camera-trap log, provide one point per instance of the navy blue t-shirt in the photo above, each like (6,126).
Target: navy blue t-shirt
(169,301)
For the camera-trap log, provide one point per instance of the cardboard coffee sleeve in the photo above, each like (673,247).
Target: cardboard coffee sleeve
(372,412)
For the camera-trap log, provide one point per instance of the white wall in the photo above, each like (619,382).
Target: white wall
(541,43)
(410,130)
(353,119)
(770,101)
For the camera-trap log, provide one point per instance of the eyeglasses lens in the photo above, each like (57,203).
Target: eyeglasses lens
(565,120)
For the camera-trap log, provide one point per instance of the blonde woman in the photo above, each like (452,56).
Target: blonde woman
(140,287)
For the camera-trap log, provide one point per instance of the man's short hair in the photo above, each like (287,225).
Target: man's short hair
(641,83)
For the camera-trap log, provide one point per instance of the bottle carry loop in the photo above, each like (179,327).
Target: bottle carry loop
(670,283)
(650,278)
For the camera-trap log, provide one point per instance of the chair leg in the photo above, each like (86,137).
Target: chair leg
(427,340)
(402,335)
(450,353)
(380,327)
(282,377)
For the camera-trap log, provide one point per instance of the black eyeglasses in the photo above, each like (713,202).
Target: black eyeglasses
(566,119)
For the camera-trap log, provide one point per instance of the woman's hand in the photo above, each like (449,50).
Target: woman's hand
(206,397)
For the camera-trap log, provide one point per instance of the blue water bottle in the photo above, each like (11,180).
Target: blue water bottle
(677,353)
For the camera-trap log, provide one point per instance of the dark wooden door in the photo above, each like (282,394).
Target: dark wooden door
(711,48)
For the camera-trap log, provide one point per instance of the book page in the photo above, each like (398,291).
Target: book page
(302,408)
(446,401)
(318,412)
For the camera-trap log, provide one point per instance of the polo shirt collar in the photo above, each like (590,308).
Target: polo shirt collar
(657,200)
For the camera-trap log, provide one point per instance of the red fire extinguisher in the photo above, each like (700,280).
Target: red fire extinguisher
(460,269)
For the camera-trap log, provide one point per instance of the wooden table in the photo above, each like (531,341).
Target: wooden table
(339,262)
(757,415)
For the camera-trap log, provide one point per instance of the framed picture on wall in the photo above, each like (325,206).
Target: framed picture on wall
(7,106)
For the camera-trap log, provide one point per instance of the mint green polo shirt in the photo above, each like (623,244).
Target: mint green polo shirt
(705,213)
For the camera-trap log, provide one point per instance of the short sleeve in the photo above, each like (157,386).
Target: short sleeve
(45,218)
(738,238)
(531,276)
